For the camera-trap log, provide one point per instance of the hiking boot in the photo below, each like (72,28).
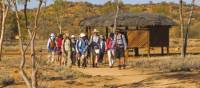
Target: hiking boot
(119,67)
(124,66)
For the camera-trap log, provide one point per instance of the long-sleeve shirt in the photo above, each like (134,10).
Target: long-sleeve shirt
(81,46)
(66,46)
(48,44)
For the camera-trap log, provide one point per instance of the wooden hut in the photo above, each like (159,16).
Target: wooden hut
(144,30)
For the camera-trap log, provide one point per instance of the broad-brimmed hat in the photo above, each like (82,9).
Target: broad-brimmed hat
(52,35)
(66,34)
(82,35)
(72,36)
(95,31)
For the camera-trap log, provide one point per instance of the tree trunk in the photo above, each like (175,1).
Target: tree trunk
(59,23)
(4,15)
(116,16)
(187,28)
(182,27)
(23,58)
(33,57)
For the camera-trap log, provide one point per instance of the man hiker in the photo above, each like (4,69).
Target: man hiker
(73,55)
(81,50)
(102,48)
(51,46)
(66,49)
(94,47)
(110,48)
(121,46)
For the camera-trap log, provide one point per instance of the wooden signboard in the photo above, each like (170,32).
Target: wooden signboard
(138,38)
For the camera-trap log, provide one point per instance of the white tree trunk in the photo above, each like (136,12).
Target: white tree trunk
(34,69)
(23,58)
(116,16)
(187,28)
(5,9)
(182,26)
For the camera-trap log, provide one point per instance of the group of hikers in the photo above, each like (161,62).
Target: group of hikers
(76,50)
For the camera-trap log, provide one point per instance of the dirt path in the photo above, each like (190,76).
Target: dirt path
(125,76)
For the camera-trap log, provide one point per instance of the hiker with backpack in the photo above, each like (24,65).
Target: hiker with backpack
(94,47)
(59,45)
(81,50)
(66,49)
(121,46)
(73,55)
(110,48)
(51,46)
(102,48)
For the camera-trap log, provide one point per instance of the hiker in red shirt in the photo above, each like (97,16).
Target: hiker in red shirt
(59,44)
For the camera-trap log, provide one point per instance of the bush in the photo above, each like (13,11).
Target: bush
(6,80)
(168,64)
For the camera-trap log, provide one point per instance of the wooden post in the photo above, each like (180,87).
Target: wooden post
(167,50)
(162,50)
(149,51)
(136,51)
(107,32)
(86,31)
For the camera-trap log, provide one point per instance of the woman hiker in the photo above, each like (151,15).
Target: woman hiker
(59,45)
(110,48)
(66,49)
(51,46)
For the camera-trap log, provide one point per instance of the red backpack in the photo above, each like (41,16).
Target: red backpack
(108,43)
(59,42)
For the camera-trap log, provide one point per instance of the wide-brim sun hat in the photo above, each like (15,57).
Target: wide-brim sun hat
(66,34)
(52,35)
(72,36)
(95,31)
(82,35)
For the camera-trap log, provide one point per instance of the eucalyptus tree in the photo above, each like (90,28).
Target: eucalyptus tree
(4,11)
(185,26)
(58,7)
(185,43)
(31,83)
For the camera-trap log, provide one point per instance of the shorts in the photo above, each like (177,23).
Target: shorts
(119,52)
(59,52)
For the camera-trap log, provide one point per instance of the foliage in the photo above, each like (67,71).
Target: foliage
(71,13)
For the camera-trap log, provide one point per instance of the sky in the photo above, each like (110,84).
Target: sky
(34,3)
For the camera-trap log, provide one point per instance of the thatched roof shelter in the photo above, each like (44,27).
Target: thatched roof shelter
(128,19)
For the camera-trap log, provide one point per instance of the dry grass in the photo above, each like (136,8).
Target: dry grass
(168,64)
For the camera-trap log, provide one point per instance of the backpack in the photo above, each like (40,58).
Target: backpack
(59,42)
(95,45)
(108,43)
(52,43)
(117,41)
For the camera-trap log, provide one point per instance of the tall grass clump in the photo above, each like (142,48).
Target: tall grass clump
(168,64)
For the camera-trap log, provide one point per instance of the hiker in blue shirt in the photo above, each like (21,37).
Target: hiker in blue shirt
(81,50)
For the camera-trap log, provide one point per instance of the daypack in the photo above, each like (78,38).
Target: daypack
(59,42)
(95,45)
(52,43)
(81,45)
(108,43)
